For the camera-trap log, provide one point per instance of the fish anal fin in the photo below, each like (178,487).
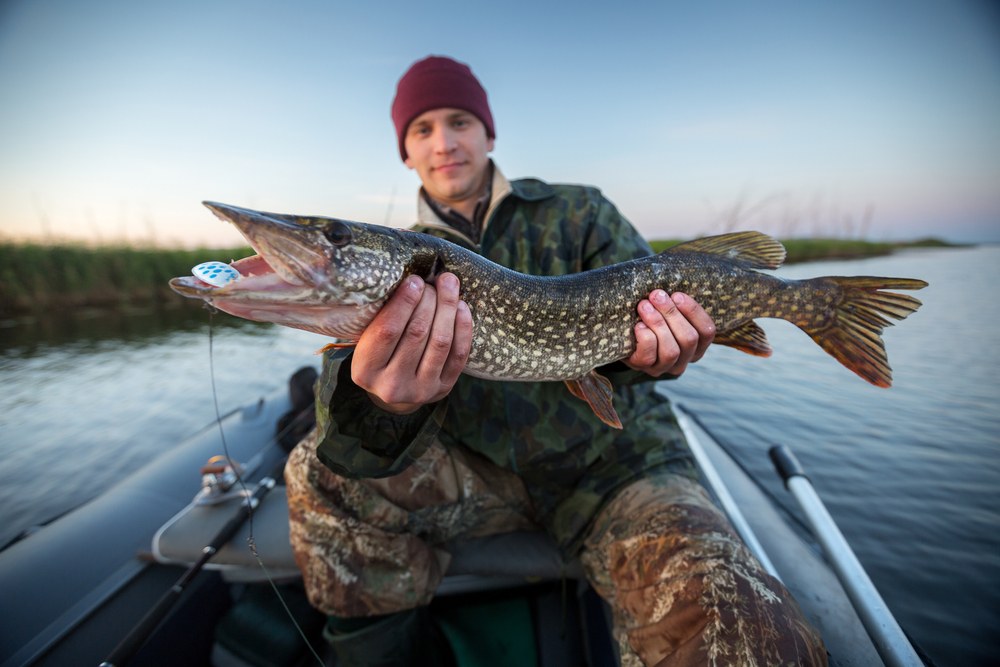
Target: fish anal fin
(748,337)
(755,249)
(597,391)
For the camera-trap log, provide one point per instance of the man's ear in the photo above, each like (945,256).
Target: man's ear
(407,162)
(489,144)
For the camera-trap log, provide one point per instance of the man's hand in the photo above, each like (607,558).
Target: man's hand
(673,332)
(416,347)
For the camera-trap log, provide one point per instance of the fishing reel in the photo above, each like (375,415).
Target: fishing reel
(218,477)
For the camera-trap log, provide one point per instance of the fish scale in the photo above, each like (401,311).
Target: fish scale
(332,276)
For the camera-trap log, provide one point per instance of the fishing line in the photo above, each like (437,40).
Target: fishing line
(251,543)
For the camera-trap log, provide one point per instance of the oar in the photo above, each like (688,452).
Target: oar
(134,640)
(889,639)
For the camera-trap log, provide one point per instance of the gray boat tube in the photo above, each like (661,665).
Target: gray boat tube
(726,500)
(890,641)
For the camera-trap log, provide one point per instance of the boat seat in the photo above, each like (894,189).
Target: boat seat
(496,561)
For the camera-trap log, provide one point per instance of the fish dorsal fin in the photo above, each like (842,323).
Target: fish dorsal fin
(756,250)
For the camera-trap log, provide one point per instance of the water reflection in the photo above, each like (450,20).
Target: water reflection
(90,329)
(107,392)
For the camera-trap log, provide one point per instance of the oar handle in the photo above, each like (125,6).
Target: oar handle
(785,463)
(889,639)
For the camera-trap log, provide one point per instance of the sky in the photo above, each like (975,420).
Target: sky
(856,118)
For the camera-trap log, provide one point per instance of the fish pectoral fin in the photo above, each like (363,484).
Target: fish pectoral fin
(336,346)
(598,393)
(749,338)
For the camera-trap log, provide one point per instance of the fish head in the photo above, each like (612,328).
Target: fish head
(324,275)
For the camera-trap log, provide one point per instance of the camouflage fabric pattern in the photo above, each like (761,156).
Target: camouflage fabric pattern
(369,547)
(570,462)
(683,588)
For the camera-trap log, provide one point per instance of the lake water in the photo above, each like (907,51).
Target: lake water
(912,474)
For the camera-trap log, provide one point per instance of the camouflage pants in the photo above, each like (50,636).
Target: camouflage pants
(682,587)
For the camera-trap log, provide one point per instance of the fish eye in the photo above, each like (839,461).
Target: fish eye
(337,233)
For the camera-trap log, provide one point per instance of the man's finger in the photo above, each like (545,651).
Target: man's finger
(666,322)
(442,329)
(378,342)
(461,346)
(410,350)
(699,319)
(646,346)
(684,333)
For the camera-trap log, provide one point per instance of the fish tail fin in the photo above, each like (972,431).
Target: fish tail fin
(852,335)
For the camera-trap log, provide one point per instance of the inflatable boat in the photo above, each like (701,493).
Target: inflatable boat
(160,569)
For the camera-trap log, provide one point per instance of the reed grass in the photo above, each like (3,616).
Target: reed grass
(36,278)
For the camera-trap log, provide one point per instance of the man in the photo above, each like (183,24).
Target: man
(410,454)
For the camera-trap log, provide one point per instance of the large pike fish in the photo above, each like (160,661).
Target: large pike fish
(331,277)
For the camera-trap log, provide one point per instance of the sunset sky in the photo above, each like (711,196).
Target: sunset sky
(847,118)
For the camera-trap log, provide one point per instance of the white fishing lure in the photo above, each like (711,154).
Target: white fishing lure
(216,274)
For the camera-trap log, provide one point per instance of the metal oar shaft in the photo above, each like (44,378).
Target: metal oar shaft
(889,639)
(134,640)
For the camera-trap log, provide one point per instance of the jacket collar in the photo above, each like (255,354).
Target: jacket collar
(527,189)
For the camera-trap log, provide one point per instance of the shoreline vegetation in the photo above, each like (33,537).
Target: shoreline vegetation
(36,278)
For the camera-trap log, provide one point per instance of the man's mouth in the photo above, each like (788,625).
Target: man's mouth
(449,167)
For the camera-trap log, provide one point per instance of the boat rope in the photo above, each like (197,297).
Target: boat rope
(251,543)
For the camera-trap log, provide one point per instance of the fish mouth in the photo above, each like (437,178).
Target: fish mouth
(288,266)
(288,247)
(290,281)
(258,282)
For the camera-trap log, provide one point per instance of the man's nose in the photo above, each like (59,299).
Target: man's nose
(444,140)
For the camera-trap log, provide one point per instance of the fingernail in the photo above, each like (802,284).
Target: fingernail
(646,307)
(448,281)
(678,298)
(659,296)
(414,283)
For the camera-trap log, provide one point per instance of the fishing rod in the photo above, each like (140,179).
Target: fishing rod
(134,640)
(890,641)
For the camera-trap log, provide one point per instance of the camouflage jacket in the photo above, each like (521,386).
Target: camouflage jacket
(570,462)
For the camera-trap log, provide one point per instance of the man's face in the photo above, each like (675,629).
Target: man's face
(449,149)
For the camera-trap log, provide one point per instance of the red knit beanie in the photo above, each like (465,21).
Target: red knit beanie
(437,82)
